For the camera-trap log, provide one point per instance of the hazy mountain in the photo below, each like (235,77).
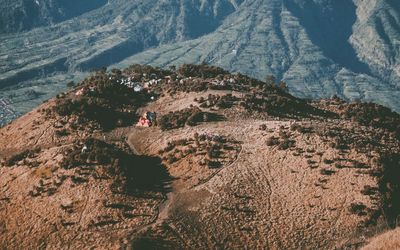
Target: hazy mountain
(319,47)
(22,15)
(311,45)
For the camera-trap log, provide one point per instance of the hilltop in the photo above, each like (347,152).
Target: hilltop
(228,161)
(318,47)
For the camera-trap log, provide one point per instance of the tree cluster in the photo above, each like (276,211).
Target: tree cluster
(370,114)
(202,70)
(178,119)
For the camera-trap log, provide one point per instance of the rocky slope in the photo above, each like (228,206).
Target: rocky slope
(231,162)
(319,47)
(23,15)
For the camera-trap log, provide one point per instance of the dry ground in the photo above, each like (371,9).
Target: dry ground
(263,197)
(388,240)
(73,215)
(266,197)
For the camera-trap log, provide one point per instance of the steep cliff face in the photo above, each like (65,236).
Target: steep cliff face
(376,38)
(319,47)
(306,43)
(22,15)
(194,18)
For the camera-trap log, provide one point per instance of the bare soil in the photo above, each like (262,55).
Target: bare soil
(258,196)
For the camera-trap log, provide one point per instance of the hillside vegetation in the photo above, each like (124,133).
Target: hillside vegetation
(222,160)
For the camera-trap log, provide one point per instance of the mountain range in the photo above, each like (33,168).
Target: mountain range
(319,47)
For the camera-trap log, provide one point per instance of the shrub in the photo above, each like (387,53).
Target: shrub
(131,174)
(368,190)
(190,116)
(339,166)
(327,171)
(148,70)
(309,161)
(70,84)
(286,143)
(202,70)
(14,159)
(214,151)
(389,186)
(275,102)
(358,164)
(94,109)
(98,152)
(226,101)
(295,127)
(62,132)
(214,164)
(272,141)
(358,208)
(263,127)
(370,114)
(103,101)
(171,158)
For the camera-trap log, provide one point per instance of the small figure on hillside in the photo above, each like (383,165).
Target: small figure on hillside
(84,149)
(152,117)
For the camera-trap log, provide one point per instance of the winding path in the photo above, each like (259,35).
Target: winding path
(163,208)
(203,182)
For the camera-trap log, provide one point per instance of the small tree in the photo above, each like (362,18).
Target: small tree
(172,68)
(116,72)
(283,86)
(71,84)
(270,79)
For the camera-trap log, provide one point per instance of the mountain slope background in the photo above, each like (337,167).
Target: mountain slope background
(319,47)
(23,15)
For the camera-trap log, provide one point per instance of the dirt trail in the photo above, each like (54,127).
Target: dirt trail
(177,190)
(265,197)
(164,207)
(203,182)
(264,190)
